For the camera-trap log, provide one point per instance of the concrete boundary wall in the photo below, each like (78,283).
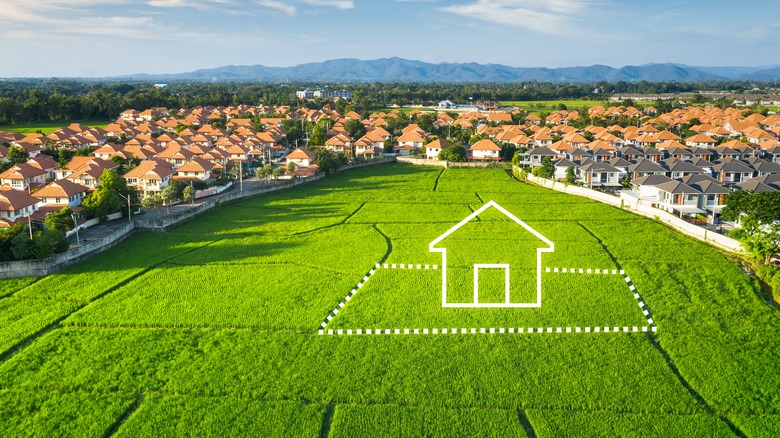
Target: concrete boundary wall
(718,240)
(447,164)
(40,268)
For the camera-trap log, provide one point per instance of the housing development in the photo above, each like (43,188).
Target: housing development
(647,158)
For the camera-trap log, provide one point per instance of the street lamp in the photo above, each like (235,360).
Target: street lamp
(129,217)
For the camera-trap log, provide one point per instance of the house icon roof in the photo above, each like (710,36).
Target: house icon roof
(545,246)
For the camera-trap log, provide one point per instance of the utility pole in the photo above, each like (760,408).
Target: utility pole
(75,222)
(129,218)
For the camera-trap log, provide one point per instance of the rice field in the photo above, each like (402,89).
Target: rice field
(220,327)
(49,127)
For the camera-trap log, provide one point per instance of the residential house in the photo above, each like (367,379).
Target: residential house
(562,166)
(773,154)
(57,195)
(765,183)
(339,143)
(537,156)
(108,150)
(24,177)
(642,167)
(577,155)
(678,169)
(602,174)
(195,169)
(433,148)
(45,163)
(409,141)
(542,139)
(533,119)
(713,194)
(86,170)
(484,150)
(763,167)
(631,154)
(176,155)
(15,205)
(653,155)
(679,198)
(621,165)
(150,177)
(705,165)
(301,157)
(731,171)
(600,155)
(645,188)
(700,141)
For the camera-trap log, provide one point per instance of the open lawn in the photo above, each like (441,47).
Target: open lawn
(546,106)
(318,312)
(49,127)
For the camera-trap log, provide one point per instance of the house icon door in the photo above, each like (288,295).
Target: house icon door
(478,267)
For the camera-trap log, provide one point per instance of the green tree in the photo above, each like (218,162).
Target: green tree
(101,203)
(22,246)
(571,176)
(546,170)
(317,136)
(61,221)
(758,214)
(507,152)
(326,160)
(16,155)
(277,172)
(169,194)
(189,194)
(355,128)
(454,153)
(264,171)
(151,202)
(389,145)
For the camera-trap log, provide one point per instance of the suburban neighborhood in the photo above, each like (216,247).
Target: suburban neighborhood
(685,161)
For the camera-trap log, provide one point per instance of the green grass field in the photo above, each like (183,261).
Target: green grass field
(220,327)
(49,127)
(539,106)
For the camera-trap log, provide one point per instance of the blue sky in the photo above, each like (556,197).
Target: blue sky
(113,37)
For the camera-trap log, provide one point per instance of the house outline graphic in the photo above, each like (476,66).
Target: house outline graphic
(476,304)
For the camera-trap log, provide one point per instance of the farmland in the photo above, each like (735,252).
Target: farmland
(546,106)
(213,327)
(49,127)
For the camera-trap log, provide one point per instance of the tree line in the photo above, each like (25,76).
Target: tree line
(52,100)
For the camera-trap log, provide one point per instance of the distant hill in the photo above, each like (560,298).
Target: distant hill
(404,70)
(770,74)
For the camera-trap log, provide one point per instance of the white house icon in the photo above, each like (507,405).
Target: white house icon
(505,264)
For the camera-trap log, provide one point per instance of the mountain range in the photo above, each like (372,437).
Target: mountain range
(404,70)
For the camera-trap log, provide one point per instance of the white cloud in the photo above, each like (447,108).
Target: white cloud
(282,7)
(340,4)
(544,16)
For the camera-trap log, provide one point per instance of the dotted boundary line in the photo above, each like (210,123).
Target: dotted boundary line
(631,287)
(491,330)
